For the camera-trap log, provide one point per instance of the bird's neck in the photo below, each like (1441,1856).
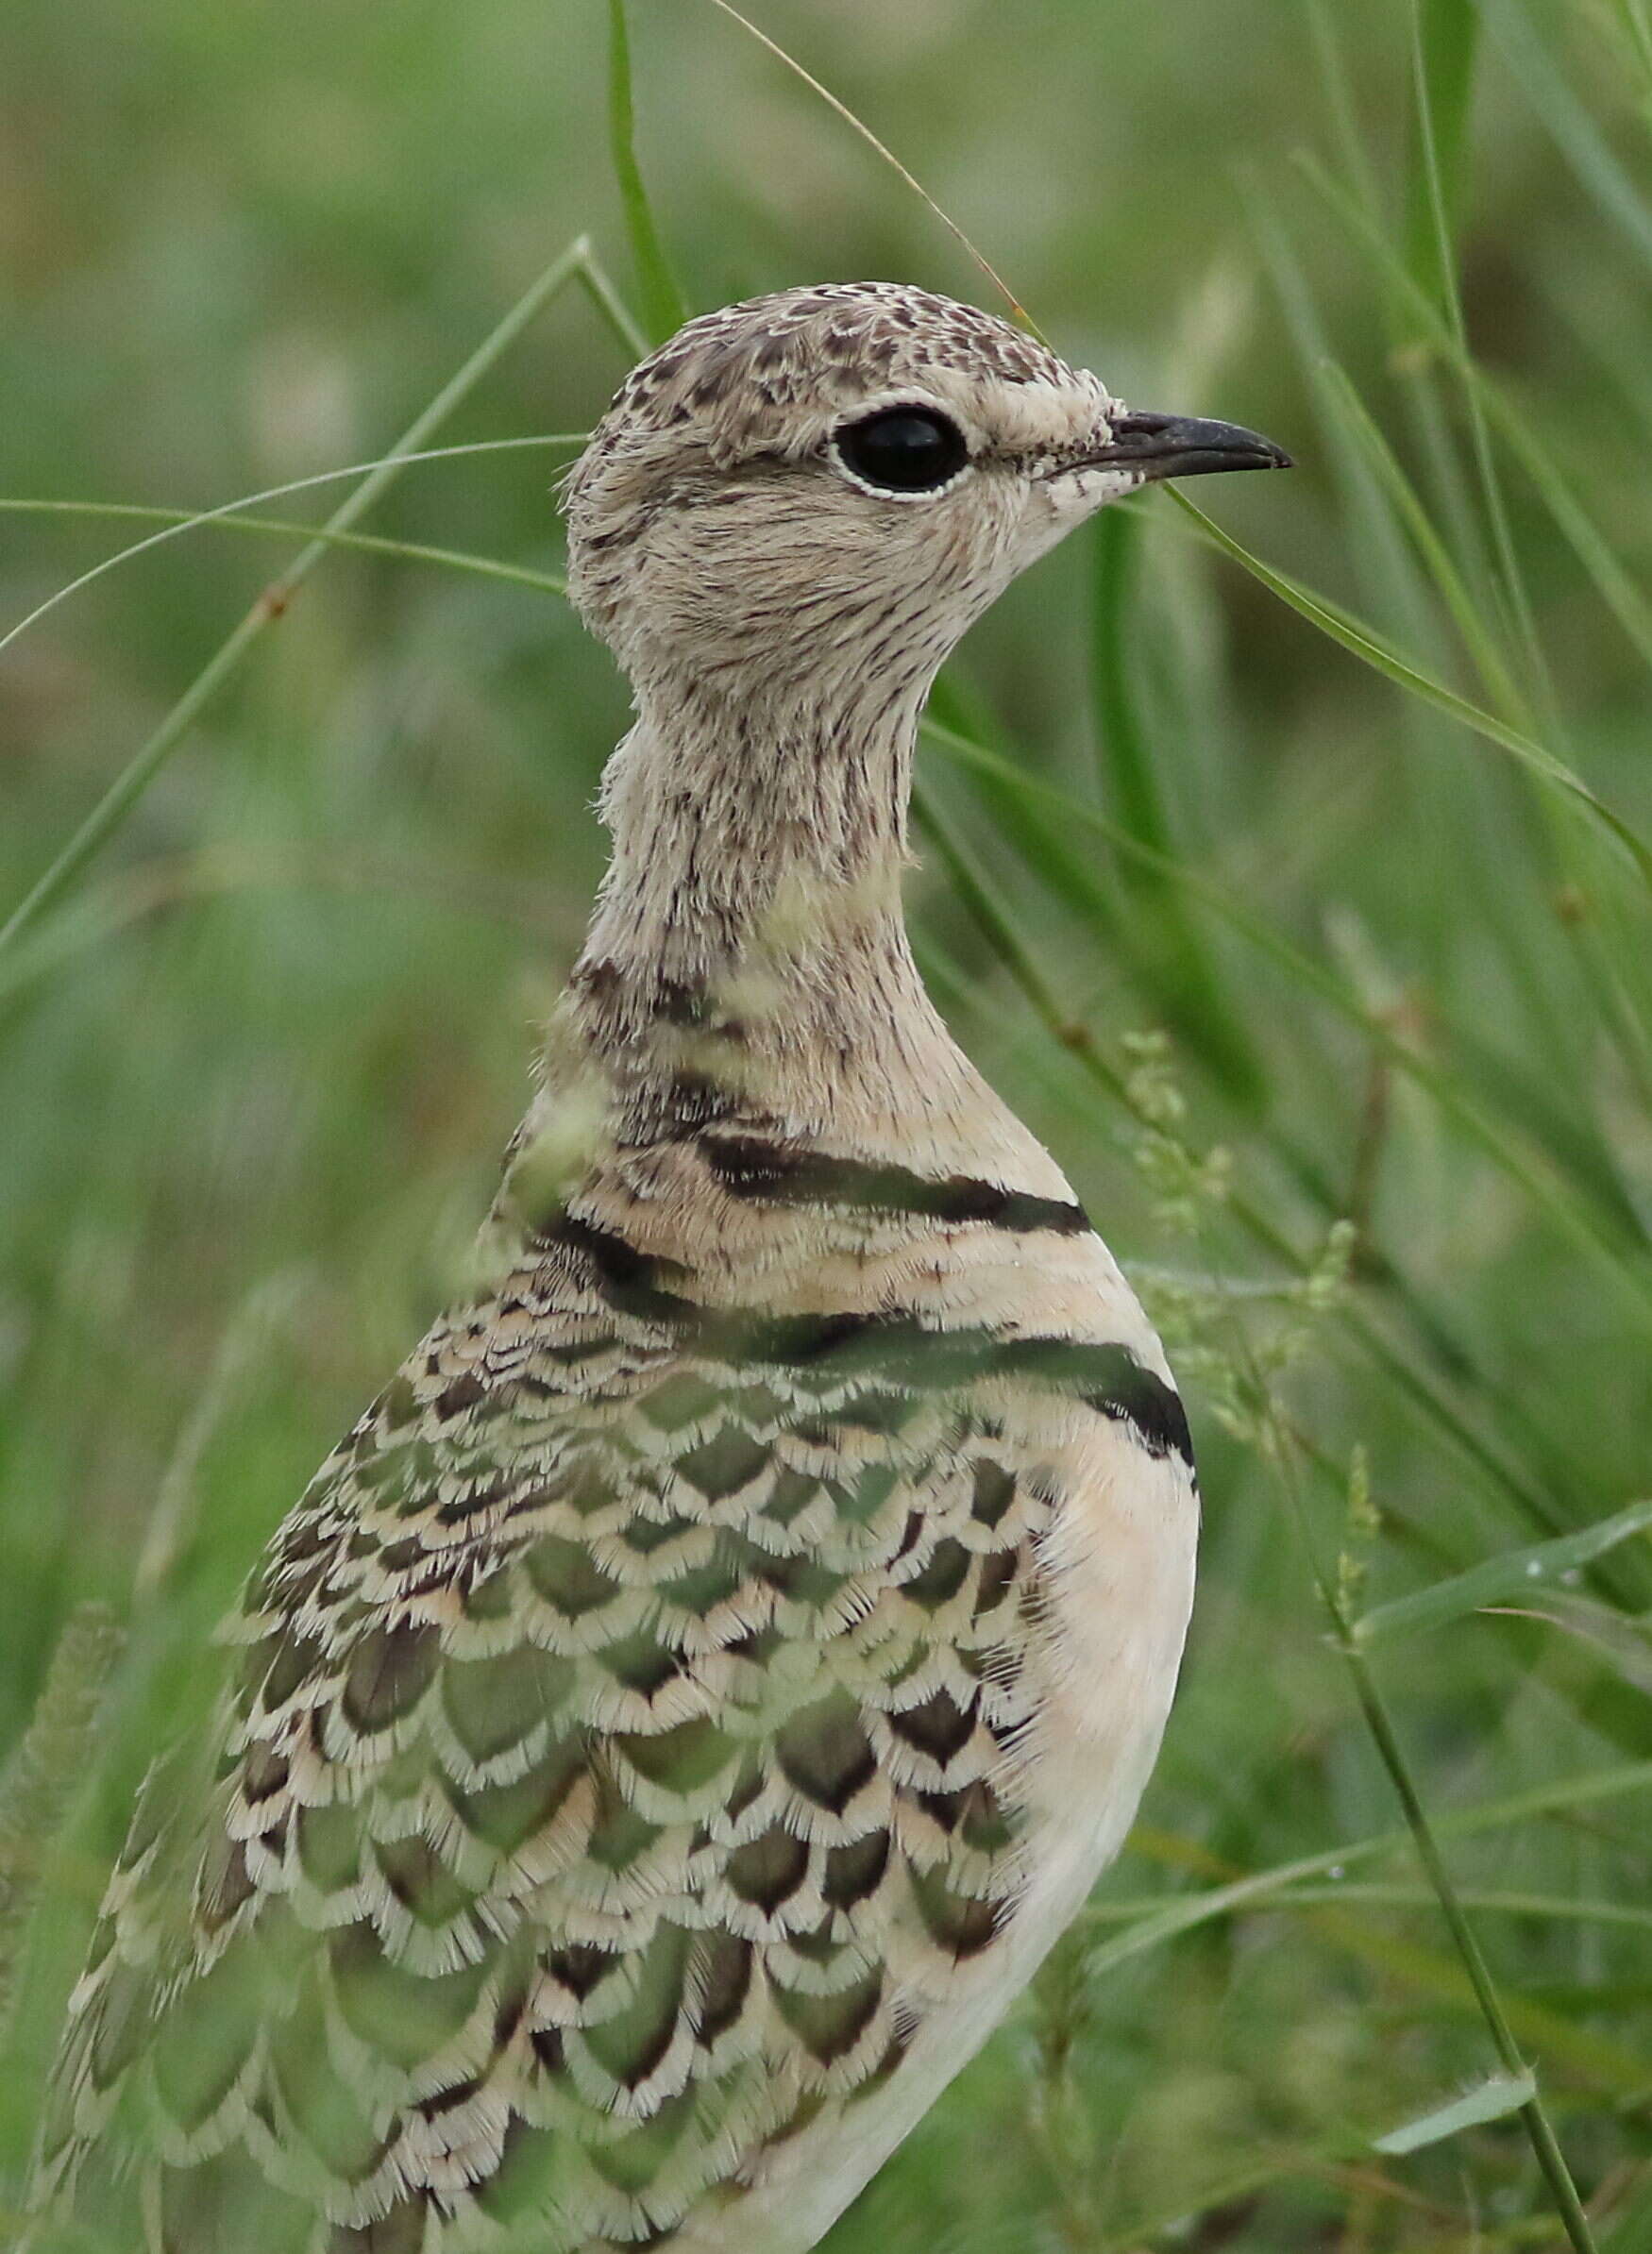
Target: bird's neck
(749,925)
(749,833)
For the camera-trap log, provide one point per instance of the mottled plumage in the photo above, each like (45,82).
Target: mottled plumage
(684,1711)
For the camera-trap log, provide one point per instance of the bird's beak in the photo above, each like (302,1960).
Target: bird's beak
(1174,446)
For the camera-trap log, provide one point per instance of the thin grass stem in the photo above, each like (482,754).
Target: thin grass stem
(1438,222)
(1533,2113)
(329,530)
(627,330)
(1182,1912)
(1628,606)
(135,778)
(409,551)
(1493,1901)
(1363,642)
(865,133)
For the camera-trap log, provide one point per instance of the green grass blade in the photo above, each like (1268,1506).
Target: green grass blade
(1186,988)
(332,531)
(1436,558)
(1403,570)
(1441,144)
(1531,1169)
(1498,1577)
(664,310)
(1447,37)
(1065,865)
(977,896)
(1631,2232)
(1500,2020)
(1391,586)
(372,543)
(1638,25)
(1614,1006)
(1184,1912)
(99,914)
(1339,100)
(1619,591)
(629,331)
(1622,596)
(1492,2100)
(1497,1901)
(1619,1641)
(134,779)
(1361,642)
(1568,124)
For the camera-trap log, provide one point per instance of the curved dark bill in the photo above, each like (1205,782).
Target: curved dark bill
(1179,446)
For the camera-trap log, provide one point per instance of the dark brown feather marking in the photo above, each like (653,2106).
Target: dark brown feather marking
(781,1173)
(390,1671)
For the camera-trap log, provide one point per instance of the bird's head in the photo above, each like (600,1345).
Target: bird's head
(840,479)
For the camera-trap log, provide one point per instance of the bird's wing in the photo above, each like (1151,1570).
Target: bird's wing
(621,1762)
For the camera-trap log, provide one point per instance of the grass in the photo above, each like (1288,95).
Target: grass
(1276,894)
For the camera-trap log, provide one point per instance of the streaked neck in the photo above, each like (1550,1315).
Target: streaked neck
(749,925)
(753,837)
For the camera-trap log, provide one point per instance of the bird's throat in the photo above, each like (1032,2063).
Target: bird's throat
(752,909)
(754,842)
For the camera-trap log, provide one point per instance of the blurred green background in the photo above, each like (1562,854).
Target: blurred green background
(1339,956)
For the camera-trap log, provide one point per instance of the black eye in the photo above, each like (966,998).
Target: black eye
(904,450)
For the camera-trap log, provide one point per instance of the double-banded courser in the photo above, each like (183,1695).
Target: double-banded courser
(685,1709)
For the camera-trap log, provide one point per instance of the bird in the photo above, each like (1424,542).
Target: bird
(685,1709)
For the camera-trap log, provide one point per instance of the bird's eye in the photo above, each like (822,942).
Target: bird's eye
(904,449)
